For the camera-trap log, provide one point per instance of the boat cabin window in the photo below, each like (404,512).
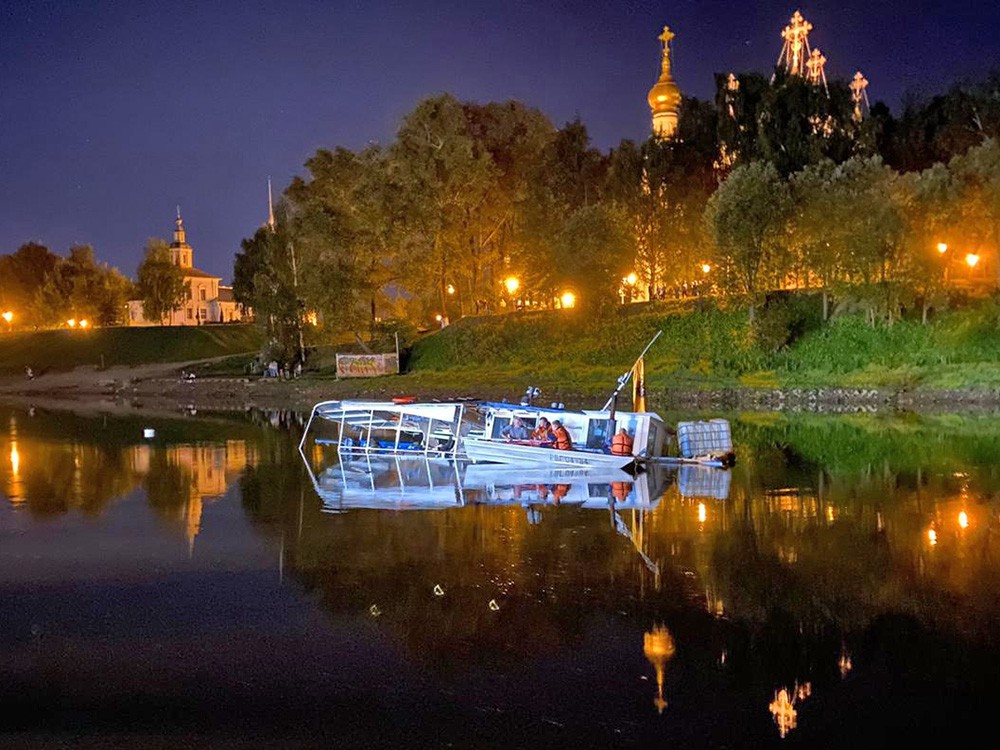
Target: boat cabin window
(599,434)
(499,423)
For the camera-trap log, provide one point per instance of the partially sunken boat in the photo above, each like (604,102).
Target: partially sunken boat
(478,431)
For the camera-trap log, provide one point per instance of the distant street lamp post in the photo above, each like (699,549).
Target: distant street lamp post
(511,284)
(628,287)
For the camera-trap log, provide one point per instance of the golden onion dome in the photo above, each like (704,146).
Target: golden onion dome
(665,96)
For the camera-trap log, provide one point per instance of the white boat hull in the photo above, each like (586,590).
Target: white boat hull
(484,450)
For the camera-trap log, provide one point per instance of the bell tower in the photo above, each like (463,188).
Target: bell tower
(180,250)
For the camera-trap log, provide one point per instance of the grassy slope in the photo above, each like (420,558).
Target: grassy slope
(705,347)
(66,349)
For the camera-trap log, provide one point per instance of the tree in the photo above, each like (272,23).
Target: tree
(976,176)
(746,218)
(264,278)
(444,176)
(159,283)
(592,253)
(568,175)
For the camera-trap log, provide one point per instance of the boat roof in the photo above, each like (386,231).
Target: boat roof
(554,412)
(336,410)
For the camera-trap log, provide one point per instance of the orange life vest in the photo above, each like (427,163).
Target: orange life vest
(621,444)
(563,441)
(620,490)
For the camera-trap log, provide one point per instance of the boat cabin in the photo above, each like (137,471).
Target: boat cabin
(590,431)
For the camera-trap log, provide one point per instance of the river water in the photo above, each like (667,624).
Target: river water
(210,586)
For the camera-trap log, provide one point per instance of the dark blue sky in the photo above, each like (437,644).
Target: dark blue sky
(112,113)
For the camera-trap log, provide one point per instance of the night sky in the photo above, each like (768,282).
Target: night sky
(112,113)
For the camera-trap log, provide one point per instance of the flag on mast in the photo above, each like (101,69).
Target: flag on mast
(639,385)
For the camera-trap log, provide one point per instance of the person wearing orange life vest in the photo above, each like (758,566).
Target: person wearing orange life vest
(543,431)
(621,443)
(563,440)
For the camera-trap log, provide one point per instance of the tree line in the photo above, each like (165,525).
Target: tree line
(775,183)
(41,289)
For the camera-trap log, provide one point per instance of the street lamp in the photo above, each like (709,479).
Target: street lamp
(8,316)
(512,284)
(972,259)
(942,247)
(71,322)
(84,323)
(628,287)
(705,268)
(568,299)
(451,289)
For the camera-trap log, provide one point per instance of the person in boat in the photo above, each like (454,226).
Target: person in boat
(562,438)
(516,430)
(543,431)
(622,443)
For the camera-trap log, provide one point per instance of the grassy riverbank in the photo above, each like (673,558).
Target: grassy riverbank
(707,347)
(62,350)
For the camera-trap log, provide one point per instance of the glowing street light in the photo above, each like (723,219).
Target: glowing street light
(942,247)
(631,279)
(568,299)
(8,316)
(705,268)
(84,323)
(438,317)
(451,289)
(71,322)
(512,283)
(972,259)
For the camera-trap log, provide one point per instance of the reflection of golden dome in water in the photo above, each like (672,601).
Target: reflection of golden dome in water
(665,96)
(658,646)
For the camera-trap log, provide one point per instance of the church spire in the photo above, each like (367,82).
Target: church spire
(665,96)
(180,251)
(270,206)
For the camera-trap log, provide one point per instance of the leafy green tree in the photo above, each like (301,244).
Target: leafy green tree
(159,283)
(568,176)
(25,274)
(747,218)
(868,205)
(592,253)
(444,177)
(976,176)
(946,125)
(265,279)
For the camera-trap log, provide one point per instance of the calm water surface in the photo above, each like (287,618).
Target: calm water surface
(839,588)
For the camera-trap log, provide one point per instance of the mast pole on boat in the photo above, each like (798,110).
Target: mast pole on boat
(623,380)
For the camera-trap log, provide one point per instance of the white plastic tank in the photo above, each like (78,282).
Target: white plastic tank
(704,438)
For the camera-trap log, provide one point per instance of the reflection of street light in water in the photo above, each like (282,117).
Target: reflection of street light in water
(783,707)
(658,646)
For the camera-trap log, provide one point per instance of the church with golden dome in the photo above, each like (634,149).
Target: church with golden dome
(665,96)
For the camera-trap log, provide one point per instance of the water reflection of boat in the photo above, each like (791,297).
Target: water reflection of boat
(413,483)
